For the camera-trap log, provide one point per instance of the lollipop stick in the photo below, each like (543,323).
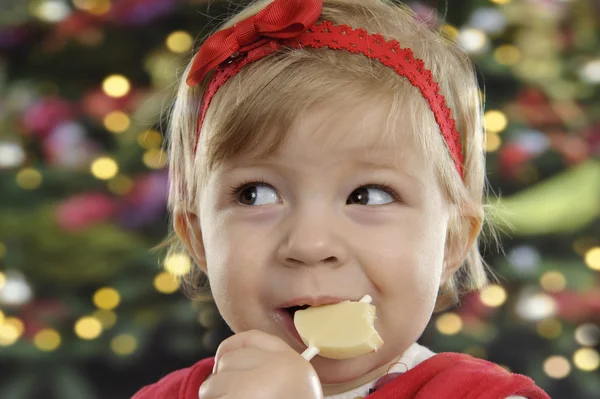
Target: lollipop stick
(313,351)
(310,352)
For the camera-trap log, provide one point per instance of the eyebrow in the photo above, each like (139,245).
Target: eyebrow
(270,162)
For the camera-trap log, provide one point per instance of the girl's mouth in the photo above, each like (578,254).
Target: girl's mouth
(285,318)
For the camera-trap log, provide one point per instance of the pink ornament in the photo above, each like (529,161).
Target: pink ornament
(46,114)
(85,210)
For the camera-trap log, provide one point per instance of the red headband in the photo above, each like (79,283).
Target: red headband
(293,24)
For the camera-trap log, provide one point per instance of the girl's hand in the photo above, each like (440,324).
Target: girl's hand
(254,364)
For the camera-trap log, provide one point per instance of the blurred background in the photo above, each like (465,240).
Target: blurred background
(88,311)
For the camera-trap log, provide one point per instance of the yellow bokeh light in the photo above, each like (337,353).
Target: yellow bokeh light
(557,367)
(586,359)
(155,158)
(107,318)
(97,7)
(88,328)
(107,298)
(123,344)
(2,250)
(449,324)
(29,179)
(549,328)
(166,283)
(592,258)
(507,54)
(150,139)
(117,122)
(179,42)
(10,331)
(553,281)
(450,31)
(2,280)
(47,340)
(178,264)
(120,185)
(493,296)
(104,168)
(493,142)
(16,323)
(8,334)
(116,86)
(1,317)
(500,1)
(495,121)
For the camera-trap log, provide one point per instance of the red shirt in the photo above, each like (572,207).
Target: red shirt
(446,375)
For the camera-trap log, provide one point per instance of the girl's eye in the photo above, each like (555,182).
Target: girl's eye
(371,195)
(257,194)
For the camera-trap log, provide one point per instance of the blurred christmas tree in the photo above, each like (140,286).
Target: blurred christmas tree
(88,312)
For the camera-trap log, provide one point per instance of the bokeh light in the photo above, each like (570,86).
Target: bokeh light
(592,258)
(586,359)
(117,122)
(557,367)
(10,331)
(507,54)
(155,158)
(493,295)
(166,283)
(116,86)
(493,142)
(178,264)
(495,121)
(124,344)
(587,334)
(107,298)
(179,42)
(29,179)
(88,328)
(150,139)
(97,7)
(553,281)
(47,340)
(449,323)
(104,168)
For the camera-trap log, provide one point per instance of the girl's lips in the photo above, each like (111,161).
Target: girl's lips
(284,319)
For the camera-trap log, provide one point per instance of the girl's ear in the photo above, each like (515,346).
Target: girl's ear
(462,234)
(187,227)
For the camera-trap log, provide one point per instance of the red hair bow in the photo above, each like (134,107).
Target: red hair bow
(282,19)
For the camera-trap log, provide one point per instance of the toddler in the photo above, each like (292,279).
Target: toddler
(321,150)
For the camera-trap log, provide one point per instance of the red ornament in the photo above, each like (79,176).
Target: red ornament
(85,210)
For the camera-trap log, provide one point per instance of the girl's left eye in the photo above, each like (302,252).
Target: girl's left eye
(371,195)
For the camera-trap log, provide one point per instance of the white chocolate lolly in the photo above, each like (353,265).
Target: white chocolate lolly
(338,331)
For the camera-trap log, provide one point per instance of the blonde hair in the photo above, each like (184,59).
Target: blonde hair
(268,92)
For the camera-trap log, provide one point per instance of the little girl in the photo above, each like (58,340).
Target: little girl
(322,150)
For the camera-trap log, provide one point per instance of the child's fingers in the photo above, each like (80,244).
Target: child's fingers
(241,359)
(250,339)
(215,386)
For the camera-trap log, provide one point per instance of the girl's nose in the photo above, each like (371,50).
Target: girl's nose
(311,242)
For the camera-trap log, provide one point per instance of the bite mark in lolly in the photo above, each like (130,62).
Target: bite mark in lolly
(342,330)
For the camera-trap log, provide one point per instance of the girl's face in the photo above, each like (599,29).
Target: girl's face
(339,212)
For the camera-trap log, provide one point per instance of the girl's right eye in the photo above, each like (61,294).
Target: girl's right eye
(256,194)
